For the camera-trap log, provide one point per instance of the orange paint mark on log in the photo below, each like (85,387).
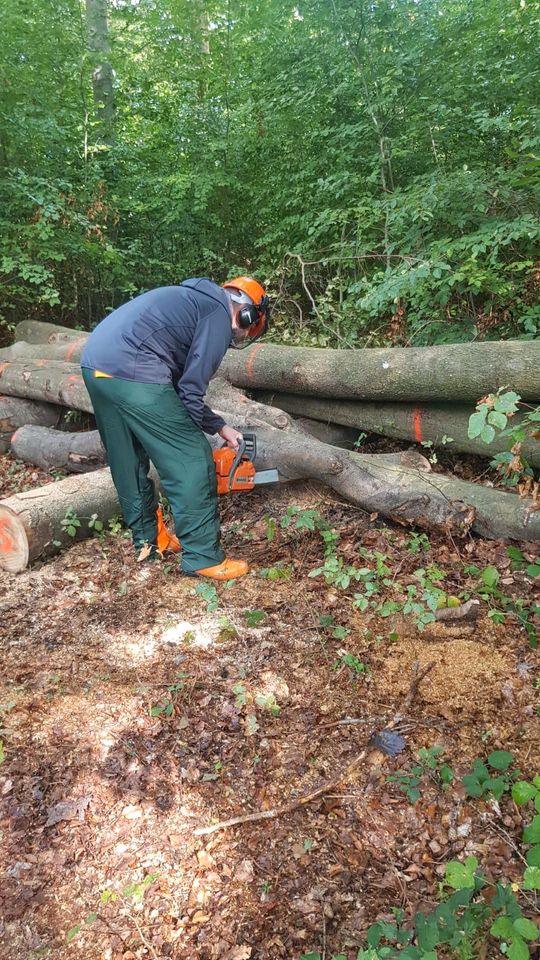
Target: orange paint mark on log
(417,424)
(3,367)
(7,542)
(73,378)
(40,363)
(251,359)
(73,346)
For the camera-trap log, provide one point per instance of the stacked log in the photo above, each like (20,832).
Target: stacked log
(15,411)
(411,394)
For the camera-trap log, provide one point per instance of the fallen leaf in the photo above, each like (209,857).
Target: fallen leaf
(67,810)
(200,917)
(244,872)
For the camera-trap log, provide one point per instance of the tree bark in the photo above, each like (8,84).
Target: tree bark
(50,380)
(426,423)
(73,452)
(102,74)
(37,331)
(454,373)
(31,523)
(459,372)
(15,412)
(67,350)
(84,452)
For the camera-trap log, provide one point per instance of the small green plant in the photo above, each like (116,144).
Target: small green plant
(492,414)
(130,896)
(501,605)
(95,523)
(166,705)
(418,543)
(253,617)
(116,526)
(227,629)
(429,763)
(209,594)
(494,777)
(277,572)
(270,527)
(520,562)
(70,523)
(353,663)
(523,792)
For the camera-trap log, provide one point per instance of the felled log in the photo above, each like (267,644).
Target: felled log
(37,331)
(429,423)
(459,372)
(68,350)
(83,452)
(31,522)
(50,380)
(14,412)
(73,452)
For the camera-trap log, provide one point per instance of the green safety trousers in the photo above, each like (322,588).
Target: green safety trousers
(139,422)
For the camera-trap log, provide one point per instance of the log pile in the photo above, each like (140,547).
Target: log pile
(422,395)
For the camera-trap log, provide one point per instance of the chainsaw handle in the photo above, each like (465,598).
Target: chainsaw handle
(247,448)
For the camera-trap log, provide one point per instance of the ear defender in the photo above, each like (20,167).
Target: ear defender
(248,316)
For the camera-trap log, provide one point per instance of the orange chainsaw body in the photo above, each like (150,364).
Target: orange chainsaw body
(231,476)
(235,471)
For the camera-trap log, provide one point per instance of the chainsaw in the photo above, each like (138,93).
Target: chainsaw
(235,472)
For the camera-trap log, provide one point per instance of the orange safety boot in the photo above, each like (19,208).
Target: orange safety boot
(226,570)
(165,540)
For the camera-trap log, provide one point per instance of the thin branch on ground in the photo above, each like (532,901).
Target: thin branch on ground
(330,784)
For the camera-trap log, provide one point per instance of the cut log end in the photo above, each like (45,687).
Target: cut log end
(14,550)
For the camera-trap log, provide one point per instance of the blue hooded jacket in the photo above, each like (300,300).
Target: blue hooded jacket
(175,335)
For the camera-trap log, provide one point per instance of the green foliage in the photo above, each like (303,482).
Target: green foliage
(209,594)
(386,168)
(492,415)
(429,763)
(482,781)
(254,617)
(70,523)
(352,662)
(130,896)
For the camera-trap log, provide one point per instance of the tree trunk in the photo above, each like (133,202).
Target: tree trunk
(15,412)
(459,372)
(50,380)
(102,74)
(67,350)
(73,452)
(31,522)
(37,331)
(433,423)
(455,373)
(84,452)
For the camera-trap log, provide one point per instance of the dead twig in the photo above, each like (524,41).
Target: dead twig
(326,787)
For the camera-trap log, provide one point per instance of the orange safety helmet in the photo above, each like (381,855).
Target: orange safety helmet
(255,308)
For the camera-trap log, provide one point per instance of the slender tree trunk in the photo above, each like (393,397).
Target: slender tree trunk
(102,74)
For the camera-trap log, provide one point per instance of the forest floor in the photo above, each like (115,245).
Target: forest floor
(137,706)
